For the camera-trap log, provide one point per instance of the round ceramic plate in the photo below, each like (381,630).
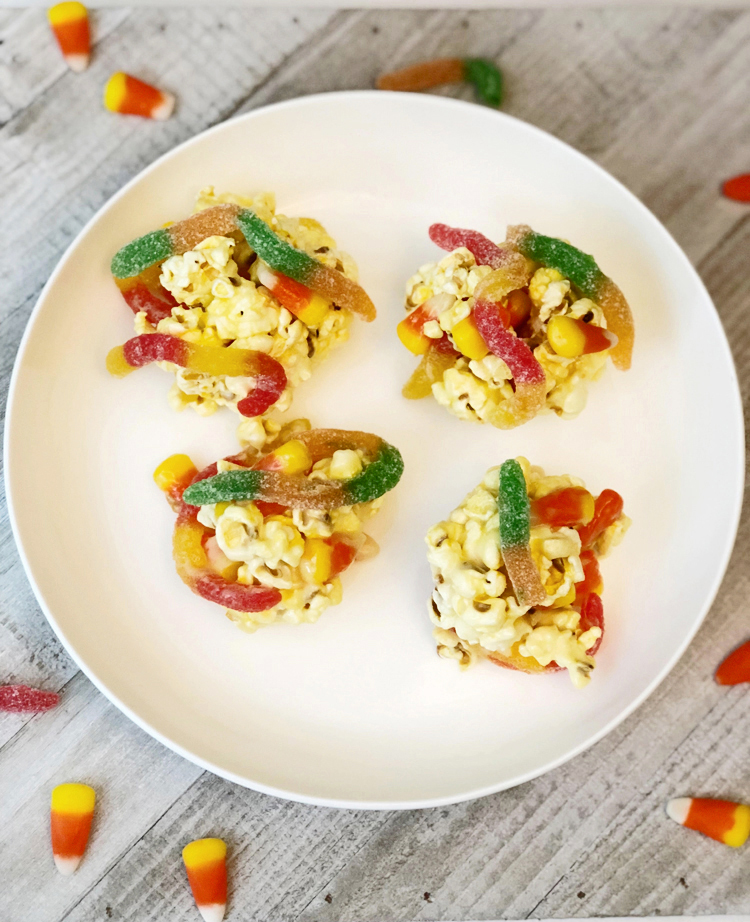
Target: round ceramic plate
(358,710)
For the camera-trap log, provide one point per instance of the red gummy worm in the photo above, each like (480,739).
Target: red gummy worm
(17,699)
(270,381)
(513,351)
(592,615)
(237,596)
(155,347)
(482,248)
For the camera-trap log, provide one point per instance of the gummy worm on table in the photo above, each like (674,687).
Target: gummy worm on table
(484,75)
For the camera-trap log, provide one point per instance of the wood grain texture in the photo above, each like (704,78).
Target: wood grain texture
(657,96)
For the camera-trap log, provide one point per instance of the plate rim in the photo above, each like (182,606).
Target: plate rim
(343,803)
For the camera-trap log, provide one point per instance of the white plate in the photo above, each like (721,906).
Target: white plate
(358,710)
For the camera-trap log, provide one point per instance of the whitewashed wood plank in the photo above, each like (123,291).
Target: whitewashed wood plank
(87,740)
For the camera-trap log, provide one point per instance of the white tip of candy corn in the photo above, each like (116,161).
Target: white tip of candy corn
(77,62)
(165,108)
(67,866)
(678,809)
(213,912)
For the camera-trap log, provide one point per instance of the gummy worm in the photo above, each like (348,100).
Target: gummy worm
(433,365)
(528,375)
(145,292)
(192,567)
(586,275)
(515,534)
(486,78)
(224,220)
(482,248)
(17,699)
(295,490)
(270,377)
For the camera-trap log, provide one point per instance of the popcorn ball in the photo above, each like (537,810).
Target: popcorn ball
(516,572)
(505,332)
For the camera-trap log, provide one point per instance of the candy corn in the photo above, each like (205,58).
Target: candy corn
(298,299)
(71,816)
(70,24)
(736,667)
(722,820)
(738,188)
(130,96)
(206,866)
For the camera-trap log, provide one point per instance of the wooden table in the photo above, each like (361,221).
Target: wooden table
(658,97)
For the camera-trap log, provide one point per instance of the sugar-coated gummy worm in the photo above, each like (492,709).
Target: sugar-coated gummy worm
(20,699)
(270,377)
(224,220)
(432,366)
(191,563)
(735,669)
(586,275)
(206,866)
(515,528)
(70,25)
(722,820)
(482,248)
(145,293)
(71,813)
(485,76)
(295,490)
(510,272)
(528,375)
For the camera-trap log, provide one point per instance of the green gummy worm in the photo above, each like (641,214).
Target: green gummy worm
(139,254)
(513,506)
(377,478)
(226,487)
(487,80)
(573,263)
(275,251)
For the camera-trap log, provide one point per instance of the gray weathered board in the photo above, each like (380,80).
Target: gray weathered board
(658,97)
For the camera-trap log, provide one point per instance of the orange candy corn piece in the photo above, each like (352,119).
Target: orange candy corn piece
(736,667)
(130,96)
(70,24)
(722,820)
(71,816)
(206,866)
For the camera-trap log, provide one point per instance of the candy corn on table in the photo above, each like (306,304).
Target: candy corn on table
(659,97)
